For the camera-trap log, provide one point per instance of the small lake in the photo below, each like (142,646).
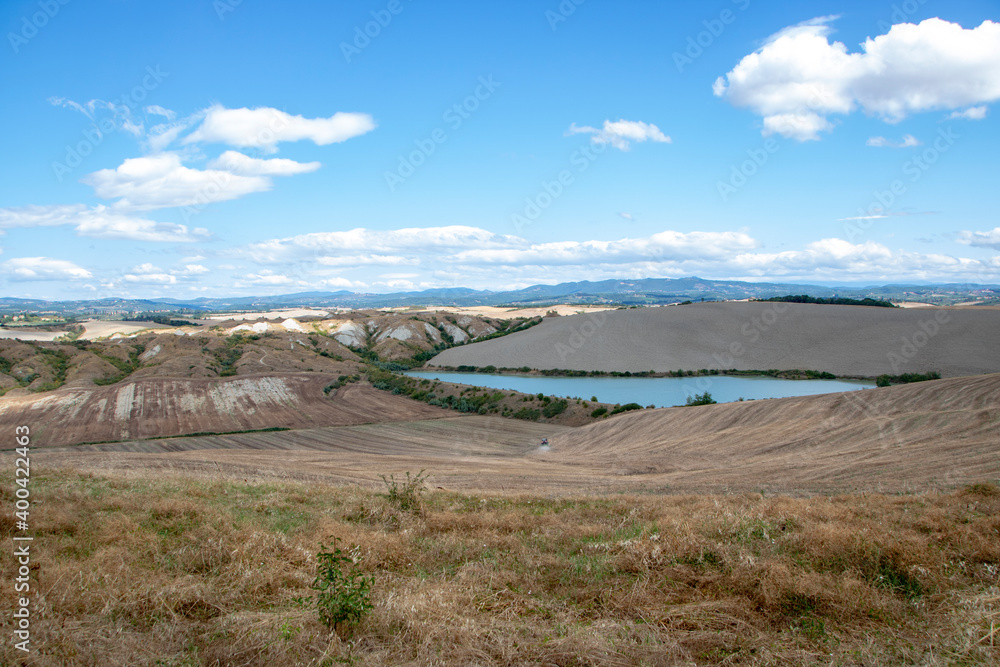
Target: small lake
(661,392)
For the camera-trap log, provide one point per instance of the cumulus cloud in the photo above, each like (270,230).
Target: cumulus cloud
(161,181)
(881,142)
(192,270)
(798,77)
(237,163)
(264,127)
(990,239)
(475,257)
(799,126)
(148,274)
(366,260)
(621,133)
(100,222)
(972,113)
(268,278)
(409,242)
(44,268)
(663,246)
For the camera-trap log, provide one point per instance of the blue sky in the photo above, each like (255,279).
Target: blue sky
(227,147)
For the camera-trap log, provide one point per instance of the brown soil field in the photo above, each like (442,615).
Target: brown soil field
(844,340)
(154,407)
(927,435)
(930,435)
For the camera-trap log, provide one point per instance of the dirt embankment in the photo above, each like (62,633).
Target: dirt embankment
(844,340)
(927,435)
(943,432)
(158,407)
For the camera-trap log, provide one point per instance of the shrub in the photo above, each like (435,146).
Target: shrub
(599,412)
(405,496)
(342,591)
(700,399)
(527,414)
(554,408)
(626,408)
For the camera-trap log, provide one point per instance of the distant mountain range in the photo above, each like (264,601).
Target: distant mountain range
(647,291)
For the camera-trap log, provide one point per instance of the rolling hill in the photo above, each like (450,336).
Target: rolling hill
(843,340)
(944,432)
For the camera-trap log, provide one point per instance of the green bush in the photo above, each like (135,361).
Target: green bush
(405,496)
(599,412)
(700,399)
(626,408)
(342,591)
(554,408)
(527,414)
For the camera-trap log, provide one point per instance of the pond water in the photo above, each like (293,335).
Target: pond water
(661,392)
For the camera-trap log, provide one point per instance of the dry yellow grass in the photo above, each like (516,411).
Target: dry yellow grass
(157,569)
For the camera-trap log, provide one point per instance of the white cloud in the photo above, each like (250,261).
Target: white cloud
(268,278)
(148,274)
(157,110)
(881,142)
(341,283)
(410,242)
(244,165)
(161,136)
(972,113)
(621,132)
(121,114)
(799,126)
(161,181)
(990,239)
(472,257)
(663,246)
(627,216)
(798,77)
(265,127)
(44,268)
(100,222)
(366,260)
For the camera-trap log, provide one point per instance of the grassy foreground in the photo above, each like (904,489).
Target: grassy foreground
(159,570)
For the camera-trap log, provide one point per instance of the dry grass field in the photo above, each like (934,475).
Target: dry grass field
(152,568)
(844,340)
